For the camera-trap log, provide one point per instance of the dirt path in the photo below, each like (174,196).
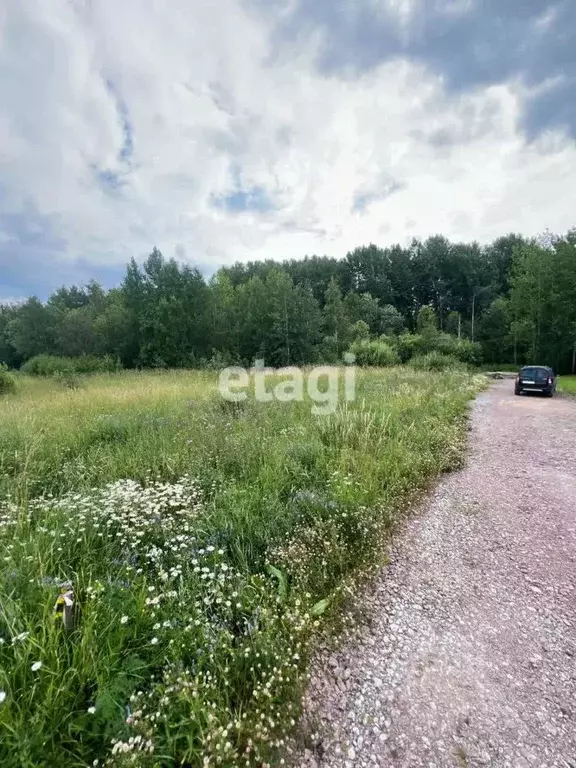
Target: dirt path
(470,655)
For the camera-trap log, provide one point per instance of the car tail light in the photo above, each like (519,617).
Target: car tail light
(549,379)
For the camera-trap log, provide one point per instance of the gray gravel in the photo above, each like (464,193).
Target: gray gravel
(469,655)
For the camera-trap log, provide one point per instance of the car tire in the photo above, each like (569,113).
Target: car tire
(517,391)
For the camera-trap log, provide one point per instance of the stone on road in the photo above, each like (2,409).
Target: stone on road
(468,657)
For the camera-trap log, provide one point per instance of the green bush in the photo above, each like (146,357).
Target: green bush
(219,360)
(376,353)
(462,349)
(47,365)
(436,361)
(409,345)
(52,365)
(7,381)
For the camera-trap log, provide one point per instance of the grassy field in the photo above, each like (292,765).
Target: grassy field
(167,559)
(567,384)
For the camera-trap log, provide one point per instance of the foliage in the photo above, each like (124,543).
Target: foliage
(409,345)
(462,349)
(426,321)
(31,328)
(375,353)
(7,381)
(567,384)
(436,361)
(52,365)
(391,321)
(494,331)
(336,323)
(360,330)
(200,585)
(543,302)
(167,315)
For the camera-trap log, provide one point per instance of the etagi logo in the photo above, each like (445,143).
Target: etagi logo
(322,384)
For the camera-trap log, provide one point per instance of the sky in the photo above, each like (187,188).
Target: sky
(234,130)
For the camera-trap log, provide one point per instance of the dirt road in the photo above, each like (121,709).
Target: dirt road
(470,654)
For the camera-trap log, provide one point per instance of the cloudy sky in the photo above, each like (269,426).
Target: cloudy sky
(225,130)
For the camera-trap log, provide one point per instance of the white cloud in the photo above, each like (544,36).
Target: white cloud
(204,95)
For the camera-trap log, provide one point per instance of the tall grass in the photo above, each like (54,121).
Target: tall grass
(167,559)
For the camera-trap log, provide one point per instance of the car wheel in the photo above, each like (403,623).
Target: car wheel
(517,391)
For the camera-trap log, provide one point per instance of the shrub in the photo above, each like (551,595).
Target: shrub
(7,381)
(360,330)
(52,365)
(376,353)
(409,345)
(47,365)
(462,349)
(436,361)
(219,360)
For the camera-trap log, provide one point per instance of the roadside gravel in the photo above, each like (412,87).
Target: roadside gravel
(468,657)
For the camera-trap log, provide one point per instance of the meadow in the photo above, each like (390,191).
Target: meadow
(567,384)
(168,560)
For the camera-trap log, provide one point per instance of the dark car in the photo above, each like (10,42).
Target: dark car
(536,378)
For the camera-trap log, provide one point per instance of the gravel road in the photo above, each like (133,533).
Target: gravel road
(469,654)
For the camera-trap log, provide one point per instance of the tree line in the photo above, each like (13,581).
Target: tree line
(516,297)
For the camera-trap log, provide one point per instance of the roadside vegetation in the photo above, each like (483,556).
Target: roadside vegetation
(168,559)
(567,384)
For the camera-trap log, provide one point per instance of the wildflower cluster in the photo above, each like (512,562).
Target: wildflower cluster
(330,539)
(221,653)
(261,667)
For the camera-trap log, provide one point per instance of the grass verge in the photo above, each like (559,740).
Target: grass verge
(567,384)
(167,619)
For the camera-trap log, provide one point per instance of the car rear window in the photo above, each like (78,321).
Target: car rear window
(534,373)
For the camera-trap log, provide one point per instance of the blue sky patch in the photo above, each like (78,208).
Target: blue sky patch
(253,200)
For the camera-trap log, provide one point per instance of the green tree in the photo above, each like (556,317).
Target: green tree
(294,321)
(252,303)
(222,312)
(531,300)
(31,330)
(494,332)
(336,322)
(426,321)
(114,329)
(75,334)
(368,269)
(391,321)
(453,324)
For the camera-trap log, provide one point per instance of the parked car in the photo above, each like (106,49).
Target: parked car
(536,378)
